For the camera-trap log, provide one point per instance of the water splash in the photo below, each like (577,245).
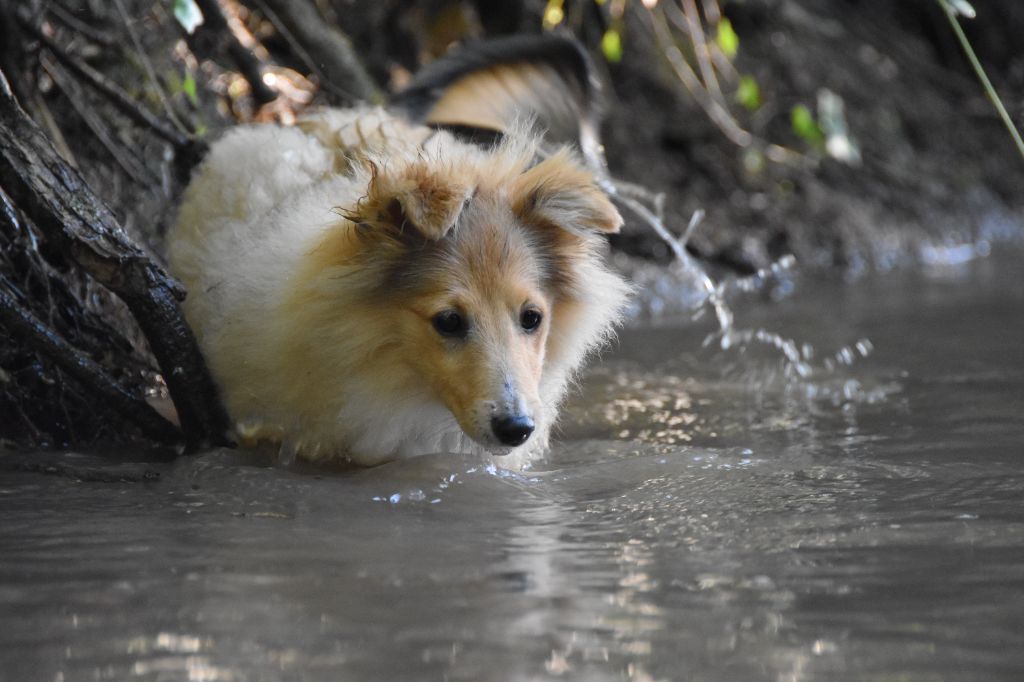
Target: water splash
(798,358)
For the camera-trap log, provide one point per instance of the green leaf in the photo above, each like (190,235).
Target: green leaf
(188,86)
(748,94)
(727,39)
(188,14)
(805,126)
(611,45)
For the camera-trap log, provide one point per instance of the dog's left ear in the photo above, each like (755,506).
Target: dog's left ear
(419,196)
(558,192)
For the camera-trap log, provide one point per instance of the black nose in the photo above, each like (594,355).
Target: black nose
(512,430)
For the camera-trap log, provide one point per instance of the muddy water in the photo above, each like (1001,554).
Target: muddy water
(703,518)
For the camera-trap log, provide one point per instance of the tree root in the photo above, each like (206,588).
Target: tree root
(90,374)
(72,218)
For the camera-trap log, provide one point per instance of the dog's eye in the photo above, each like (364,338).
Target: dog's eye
(450,323)
(530,319)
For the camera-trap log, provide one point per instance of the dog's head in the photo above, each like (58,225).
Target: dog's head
(488,283)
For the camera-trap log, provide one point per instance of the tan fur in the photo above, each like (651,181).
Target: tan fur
(483,99)
(313,296)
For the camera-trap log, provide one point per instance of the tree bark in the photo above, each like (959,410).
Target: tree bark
(71,217)
(18,320)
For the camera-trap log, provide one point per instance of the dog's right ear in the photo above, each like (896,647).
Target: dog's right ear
(416,198)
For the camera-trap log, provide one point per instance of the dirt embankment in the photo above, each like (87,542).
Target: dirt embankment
(936,166)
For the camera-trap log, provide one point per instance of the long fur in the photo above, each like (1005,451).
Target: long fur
(314,256)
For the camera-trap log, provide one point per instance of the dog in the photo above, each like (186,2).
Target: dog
(370,285)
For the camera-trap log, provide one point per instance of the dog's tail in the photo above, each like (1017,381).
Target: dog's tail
(480,90)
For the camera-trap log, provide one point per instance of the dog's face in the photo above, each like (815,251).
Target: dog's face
(476,275)
(476,324)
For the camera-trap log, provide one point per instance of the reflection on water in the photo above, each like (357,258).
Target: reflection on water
(704,517)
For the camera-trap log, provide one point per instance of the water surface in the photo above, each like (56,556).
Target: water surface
(703,517)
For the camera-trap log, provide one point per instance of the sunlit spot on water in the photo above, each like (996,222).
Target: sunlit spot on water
(169,642)
(638,412)
(178,655)
(680,403)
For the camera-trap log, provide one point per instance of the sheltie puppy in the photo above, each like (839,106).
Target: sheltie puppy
(368,287)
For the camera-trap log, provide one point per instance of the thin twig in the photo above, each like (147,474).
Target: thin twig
(723,65)
(39,107)
(21,229)
(700,48)
(301,52)
(718,114)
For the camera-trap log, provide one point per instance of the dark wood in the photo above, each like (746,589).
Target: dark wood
(90,374)
(55,197)
(327,49)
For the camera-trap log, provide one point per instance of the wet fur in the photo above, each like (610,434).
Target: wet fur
(316,255)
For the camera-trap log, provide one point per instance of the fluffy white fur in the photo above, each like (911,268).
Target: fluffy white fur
(251,219)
